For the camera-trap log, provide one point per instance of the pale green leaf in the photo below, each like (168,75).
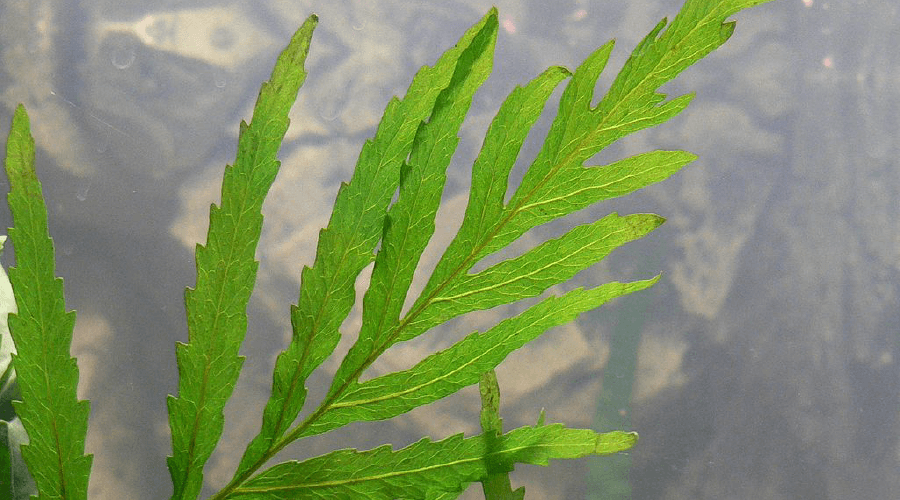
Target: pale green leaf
(9,389)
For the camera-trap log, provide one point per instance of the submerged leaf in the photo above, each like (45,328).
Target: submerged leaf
(52,415)
(463,364)
(9,389)
(496,485)
(357,224)
(410,221)
(406,162)
(386,215)
(226,272)
(426,468)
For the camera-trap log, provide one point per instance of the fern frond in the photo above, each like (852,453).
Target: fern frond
(386,215)
(408,159)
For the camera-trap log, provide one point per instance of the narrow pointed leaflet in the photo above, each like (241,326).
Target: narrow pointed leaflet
(226,272)
(425,468)
(56,421)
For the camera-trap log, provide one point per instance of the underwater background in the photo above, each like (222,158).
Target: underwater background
(763,365)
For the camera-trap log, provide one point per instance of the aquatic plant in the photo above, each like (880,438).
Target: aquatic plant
(384,215)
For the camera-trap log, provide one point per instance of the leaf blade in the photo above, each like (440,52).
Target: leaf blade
(411,220)
(462,364)
(557,184)
(490,173)
(47,375)
(425,468)
(550,263)
(345,247)
(226,273)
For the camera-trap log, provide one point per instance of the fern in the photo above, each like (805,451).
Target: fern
(386,215)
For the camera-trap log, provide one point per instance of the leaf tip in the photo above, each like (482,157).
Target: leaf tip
(615,441)
(20,112)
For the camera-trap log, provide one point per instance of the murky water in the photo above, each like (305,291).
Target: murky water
(767,361)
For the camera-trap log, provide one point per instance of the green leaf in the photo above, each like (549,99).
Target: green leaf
(407,160)
(462,364)
(557,183)
(530,274)
(56,421)
(410,221)
(357,223)
(226,272)
(698,29)
(426,468)
(386,215)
